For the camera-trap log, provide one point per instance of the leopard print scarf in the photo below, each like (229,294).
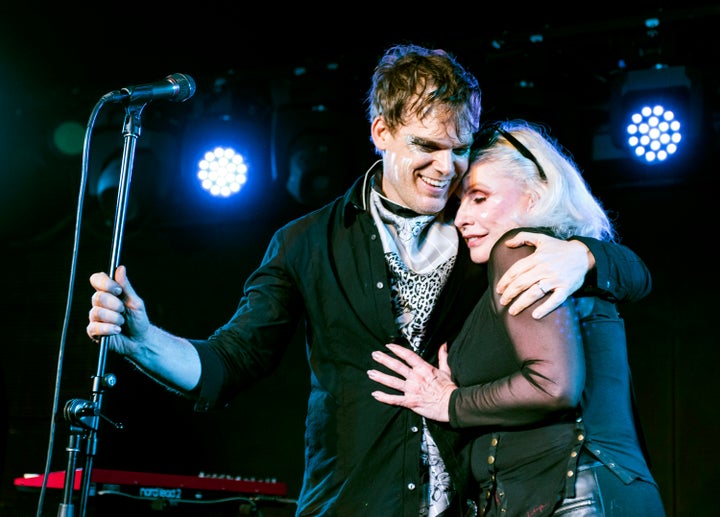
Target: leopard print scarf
(420,251)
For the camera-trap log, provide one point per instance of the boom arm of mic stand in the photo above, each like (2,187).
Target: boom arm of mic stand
(90,412)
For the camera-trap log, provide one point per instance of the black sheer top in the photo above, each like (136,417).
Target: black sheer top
(536,397)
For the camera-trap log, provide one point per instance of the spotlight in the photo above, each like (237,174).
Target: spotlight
(315,160)
(316,143)
(224,167)
(313,151)
(154,162)
(106,188)
(222,171)
(654,133)
(656,114)
(67,137)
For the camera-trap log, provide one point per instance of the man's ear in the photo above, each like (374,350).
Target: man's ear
(380,133)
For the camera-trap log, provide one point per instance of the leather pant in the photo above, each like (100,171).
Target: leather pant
(599,493)
(588,497)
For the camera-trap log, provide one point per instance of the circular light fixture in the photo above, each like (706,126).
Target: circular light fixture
(654,133)
(222,172)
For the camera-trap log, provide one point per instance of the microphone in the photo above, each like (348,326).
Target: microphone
(175,88)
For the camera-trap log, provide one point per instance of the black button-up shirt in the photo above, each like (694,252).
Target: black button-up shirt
(327,269)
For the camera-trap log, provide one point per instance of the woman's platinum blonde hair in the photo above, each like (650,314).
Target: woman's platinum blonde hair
(561,198)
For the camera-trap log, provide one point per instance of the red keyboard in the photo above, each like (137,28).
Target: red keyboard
(149,481)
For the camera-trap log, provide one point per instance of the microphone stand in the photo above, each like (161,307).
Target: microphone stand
(84,415)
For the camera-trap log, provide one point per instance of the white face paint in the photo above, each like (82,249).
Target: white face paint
(423,163)
(490,205)
(397,167)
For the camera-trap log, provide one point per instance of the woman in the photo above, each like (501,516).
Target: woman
(544,406)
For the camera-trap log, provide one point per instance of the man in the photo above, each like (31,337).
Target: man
(380,265)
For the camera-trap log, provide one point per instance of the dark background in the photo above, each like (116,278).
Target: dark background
(189,264)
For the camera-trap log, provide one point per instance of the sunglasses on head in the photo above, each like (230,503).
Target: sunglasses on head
(488,136)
